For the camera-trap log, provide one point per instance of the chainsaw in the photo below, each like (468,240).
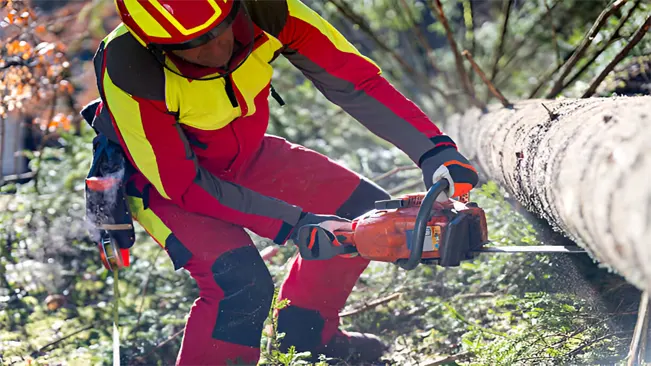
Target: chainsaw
(416,228)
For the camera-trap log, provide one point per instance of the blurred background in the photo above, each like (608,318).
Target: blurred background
(56,297)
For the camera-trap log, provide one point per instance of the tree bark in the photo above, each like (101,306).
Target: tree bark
(583,165)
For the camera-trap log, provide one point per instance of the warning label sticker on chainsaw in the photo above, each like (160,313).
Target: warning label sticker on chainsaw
(431,240)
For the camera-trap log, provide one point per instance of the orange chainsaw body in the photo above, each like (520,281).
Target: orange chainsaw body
(385,234)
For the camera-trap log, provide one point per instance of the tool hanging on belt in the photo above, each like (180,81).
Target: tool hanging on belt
(415,228)
(107,211)
(107,208)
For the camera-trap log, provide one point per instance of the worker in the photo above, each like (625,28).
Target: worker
(184,90)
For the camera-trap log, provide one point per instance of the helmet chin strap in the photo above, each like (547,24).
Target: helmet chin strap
(159,54)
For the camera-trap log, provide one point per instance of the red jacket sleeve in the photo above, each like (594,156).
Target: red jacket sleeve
(354,82)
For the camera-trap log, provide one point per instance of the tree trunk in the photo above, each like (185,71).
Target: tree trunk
(584,165)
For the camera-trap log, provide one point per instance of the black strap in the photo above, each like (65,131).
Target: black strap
(277,96)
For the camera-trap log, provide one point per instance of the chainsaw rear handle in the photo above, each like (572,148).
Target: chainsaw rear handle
(420,226)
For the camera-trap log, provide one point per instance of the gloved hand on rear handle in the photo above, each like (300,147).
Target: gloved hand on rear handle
(445,162)
(315,238)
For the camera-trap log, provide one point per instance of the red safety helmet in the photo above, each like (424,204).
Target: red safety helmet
(168,25)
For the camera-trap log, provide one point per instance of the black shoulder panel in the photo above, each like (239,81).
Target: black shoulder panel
(270,15)
(134,69)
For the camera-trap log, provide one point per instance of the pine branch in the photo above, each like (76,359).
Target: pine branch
(587,40)
(489,84)
(637,37)
(371,305)
(580,348)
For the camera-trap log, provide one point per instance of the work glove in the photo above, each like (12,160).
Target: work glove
(445,162)
(315,238)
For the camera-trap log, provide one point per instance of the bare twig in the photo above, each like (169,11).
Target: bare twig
(635,353)
(499,47)
(461,71)
(552,115)
(141,359)
(394,171)
(543,80)
(371,305)
(447,359)
(518,45)
(15,61)
(407,185)
(489,84)
(68,336)
(350,14)
(615,36)
(554,36)
(143,293)
(587,40)
(17,177)
(469,21)
(637,37)
(424,43)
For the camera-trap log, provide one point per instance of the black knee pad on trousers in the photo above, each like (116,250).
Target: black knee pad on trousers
(248,292)
(302,328)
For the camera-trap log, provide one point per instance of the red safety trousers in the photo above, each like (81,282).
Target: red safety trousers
(235,287)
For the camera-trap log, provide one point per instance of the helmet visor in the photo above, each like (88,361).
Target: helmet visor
(243,39)
(206,37)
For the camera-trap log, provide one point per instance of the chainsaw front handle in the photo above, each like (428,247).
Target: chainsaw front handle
(420,226)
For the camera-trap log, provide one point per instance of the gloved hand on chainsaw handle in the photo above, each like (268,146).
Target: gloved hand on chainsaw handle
(445,162)
(314,236)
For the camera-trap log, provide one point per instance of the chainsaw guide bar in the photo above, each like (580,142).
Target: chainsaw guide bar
(532,249)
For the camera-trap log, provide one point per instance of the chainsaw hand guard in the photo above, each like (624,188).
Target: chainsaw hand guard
(420,226)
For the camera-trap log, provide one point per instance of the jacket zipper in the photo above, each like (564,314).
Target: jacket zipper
(230,91)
